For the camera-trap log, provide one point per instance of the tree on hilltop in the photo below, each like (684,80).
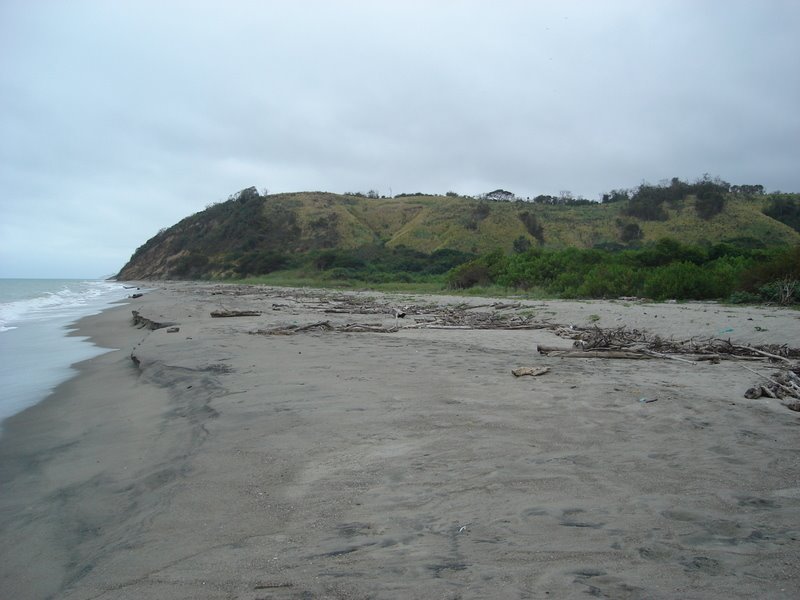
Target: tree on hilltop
(500,195)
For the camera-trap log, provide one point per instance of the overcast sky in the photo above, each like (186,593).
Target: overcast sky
(118,118)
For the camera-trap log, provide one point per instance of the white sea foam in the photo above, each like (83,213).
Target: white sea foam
(37,354)
(31,300)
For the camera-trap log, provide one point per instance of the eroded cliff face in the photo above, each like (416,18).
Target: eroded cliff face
(214,242)
(155,262)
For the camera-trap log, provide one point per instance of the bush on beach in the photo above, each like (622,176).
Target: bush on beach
(664,270)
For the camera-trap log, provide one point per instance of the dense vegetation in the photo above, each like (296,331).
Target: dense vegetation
(648,201)
(785,208)
(664,270)
(368,264)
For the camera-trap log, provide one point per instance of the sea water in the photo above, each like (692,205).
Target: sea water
(36,353)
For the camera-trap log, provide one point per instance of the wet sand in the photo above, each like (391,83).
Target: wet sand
(400,465)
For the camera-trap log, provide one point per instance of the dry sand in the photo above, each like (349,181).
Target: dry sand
(403,465)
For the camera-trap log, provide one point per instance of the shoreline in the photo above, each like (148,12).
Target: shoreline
(40,344)
(408,464)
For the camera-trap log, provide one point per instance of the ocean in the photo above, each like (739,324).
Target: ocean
(36,353)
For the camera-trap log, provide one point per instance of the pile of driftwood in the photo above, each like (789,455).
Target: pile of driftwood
(325,326)
(481,320)
(621,342)
(461,316)
(464,316)
(425,316)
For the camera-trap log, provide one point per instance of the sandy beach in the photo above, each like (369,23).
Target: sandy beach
(219,464)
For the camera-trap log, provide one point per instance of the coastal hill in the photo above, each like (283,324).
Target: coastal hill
(251,233)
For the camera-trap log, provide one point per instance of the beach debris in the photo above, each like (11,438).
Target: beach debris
(272,586)
(783,384)
(325,326)
(655,354)
(431,316)
(544,349)
(605,342)
(588,341)
(295,328)
(493,305)
(145,323)
(758,391)
(219,314)
(757,350)
(501,315)
(534,371)
(173,329)
(604,353)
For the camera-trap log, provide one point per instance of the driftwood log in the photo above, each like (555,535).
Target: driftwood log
(762,353)
(145,323)
(628,354)
(219,314)
(544,349)
(534,371)
(292,329)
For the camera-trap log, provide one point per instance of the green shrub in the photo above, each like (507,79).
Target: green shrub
(709,203)
(666,251)
(611,281)
(724,275)
(677,280)
(261,262)
(740,297)
(338,259)
(469,275)
(343,273)
(630,232)
(521,245)
(532,225)
(484,270)
(190,266)
(445,259)
(786,209)
(664,270)
(774,265)
(567,284)
(686,280)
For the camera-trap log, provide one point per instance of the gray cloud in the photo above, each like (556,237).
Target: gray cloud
(121,118)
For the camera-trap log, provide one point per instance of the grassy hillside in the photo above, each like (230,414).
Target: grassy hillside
(251,234)
(741,218)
